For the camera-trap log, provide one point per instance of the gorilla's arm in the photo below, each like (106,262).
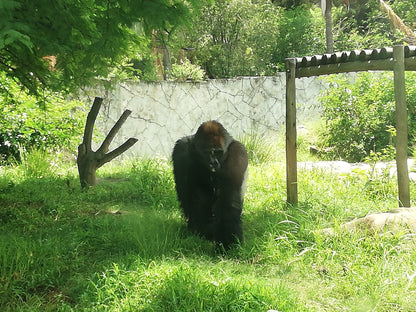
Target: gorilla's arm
(181,158)
(230,202)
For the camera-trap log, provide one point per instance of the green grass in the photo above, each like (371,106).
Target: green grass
(123,245)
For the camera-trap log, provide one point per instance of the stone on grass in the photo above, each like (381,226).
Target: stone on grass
(395,220)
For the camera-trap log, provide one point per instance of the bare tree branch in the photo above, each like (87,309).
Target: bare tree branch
(89,126)
(117,152)
(110,136)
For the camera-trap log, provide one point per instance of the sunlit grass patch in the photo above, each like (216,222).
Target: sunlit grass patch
(123,244)
(187,285)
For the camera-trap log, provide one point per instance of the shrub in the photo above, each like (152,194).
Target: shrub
(359,115)
(186,71)
(30,123)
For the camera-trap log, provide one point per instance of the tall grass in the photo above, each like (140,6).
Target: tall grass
(123,245)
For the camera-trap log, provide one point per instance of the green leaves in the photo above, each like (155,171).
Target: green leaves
(11,36)
(27,123)
(87,38)
(359,114)
(242,38)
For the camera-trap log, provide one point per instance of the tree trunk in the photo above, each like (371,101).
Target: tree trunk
(328,27)
(89,161)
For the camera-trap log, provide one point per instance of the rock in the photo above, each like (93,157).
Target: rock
(393,220)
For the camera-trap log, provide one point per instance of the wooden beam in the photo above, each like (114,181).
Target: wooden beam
(410,63)
(291,159)
(347,67)
(401,126)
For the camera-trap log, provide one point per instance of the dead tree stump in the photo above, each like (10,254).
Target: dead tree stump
(89,161)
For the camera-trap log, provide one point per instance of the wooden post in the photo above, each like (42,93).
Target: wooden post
(401,126)
(291,161)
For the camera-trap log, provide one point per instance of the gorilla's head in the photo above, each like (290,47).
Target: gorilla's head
(211,143)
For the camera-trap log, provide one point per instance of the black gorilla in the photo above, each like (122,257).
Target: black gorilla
(210,171)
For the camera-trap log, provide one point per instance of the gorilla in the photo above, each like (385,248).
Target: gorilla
(210,172)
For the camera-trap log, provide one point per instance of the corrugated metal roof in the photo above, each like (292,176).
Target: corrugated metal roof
(351,56)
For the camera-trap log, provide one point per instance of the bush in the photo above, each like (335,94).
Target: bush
(359,115)
(30,123)
(186,71)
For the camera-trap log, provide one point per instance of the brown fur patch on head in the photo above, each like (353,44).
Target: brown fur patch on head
(212,134)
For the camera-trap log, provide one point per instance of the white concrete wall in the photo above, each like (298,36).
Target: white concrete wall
(164,111)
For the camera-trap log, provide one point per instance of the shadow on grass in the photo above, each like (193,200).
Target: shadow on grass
(55,238)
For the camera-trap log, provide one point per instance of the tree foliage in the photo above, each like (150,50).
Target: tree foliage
(366,26)
(231,38)
(84,38)
(242,37)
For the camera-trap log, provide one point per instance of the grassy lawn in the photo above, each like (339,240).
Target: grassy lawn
(123,245)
